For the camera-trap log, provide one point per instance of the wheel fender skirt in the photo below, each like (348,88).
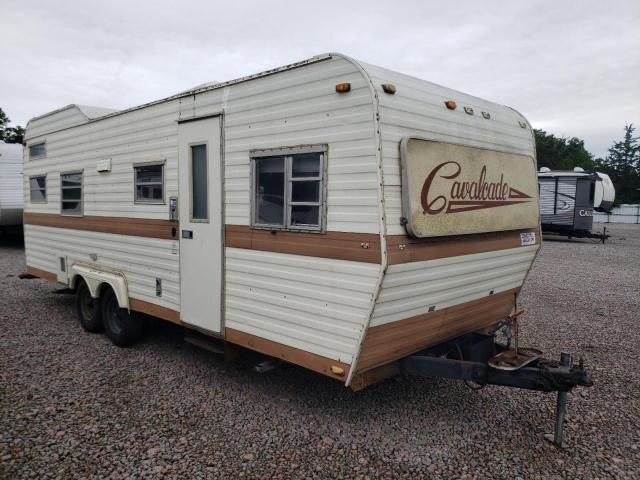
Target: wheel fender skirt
(94,277)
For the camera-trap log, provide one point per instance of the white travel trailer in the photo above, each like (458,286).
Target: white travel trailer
(10,185)
(330,213)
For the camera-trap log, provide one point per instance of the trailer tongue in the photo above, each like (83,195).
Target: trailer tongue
(478,358)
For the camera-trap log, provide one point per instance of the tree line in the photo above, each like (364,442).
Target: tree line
(7,133)
(622,163)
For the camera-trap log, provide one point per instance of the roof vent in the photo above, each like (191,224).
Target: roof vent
(545,170)
(578,169)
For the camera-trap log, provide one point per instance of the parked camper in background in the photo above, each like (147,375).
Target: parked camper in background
(10,186)
(333,214)
(568,200)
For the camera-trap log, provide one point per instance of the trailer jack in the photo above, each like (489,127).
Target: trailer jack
(475,354)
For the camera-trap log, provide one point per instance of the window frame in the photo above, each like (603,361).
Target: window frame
(62,188)
(204,144)
(37,157)
(138,201)
(46,199)
(288,153)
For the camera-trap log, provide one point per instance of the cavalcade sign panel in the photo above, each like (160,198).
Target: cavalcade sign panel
(452,189)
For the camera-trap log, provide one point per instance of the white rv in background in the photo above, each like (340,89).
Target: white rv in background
(10,185)
(333,214)
(568,200)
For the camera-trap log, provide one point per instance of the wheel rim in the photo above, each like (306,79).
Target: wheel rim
(113,314)
(87,305)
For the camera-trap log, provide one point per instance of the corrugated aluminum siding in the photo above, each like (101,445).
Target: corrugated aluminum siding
(417,109)
(327,301)
(146,135)
(294,108)
(64,118)
(409,289)
(141,259)
(314,304)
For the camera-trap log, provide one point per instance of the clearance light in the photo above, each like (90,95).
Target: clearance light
(389,88)
(337,370)
(343,87)
(451,104)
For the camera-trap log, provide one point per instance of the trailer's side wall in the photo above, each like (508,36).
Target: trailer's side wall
(10,184)
(274,288)
(133,238)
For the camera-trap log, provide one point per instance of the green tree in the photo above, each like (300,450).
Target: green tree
(14,134)
(4,123)
(623,166)
(561,153)
(7,133)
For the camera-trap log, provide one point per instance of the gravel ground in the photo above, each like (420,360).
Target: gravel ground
(74,406)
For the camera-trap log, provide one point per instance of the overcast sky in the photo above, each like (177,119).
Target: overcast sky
(571,67)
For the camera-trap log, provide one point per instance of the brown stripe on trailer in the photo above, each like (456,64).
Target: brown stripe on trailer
(405,249)
(357,247)
(155,310)
(36,272)
(395,340)
(139,227)
(308,360)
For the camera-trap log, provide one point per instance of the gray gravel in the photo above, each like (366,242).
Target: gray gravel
(74,406)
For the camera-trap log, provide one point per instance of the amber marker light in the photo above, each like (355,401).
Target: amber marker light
(343,87)
(337,370)
(389,88)
(451,104)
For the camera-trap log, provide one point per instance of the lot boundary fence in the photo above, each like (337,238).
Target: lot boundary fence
(625,213)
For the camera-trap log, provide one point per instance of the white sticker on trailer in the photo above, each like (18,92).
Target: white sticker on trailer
(527,238)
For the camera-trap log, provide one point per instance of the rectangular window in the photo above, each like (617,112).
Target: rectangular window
(288,188)
(37,150)
(199,183)
(71,193)
(38,189)
(149,183)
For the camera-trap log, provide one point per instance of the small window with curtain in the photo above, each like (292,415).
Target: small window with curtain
(149,183)
(38,189)
(71,193)
(288,188)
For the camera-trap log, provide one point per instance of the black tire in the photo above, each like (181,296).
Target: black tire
(122,328)
(88,308)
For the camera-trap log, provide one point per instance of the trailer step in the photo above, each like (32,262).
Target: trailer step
(209,344)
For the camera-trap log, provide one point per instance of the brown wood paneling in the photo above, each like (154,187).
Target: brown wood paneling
(155,310)
(395,340)
(289,354)
(359,247)
(36,272)
(140,227)
(404,249)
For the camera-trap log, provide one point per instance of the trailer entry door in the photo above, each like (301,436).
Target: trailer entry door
(200,207)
